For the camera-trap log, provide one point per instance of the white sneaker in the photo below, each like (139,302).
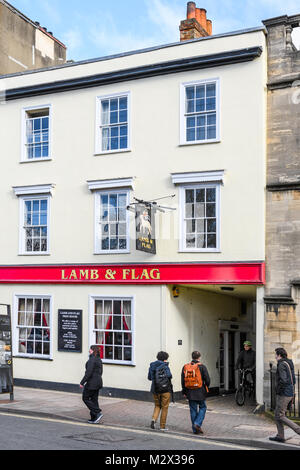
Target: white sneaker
(164,429)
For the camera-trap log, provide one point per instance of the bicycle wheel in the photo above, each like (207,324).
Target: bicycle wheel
(240,396)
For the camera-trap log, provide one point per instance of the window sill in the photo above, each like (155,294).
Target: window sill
(115,252)
(111,152)
(200,142)
(213,250)
(34,160)
(23,356)
(34,254)
(116,363)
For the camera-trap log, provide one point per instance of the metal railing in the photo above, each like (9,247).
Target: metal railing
(295,410)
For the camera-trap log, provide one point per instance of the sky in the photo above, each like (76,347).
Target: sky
(97,28)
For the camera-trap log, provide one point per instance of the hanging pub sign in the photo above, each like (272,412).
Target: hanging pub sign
(70,330)
(145,228)
(6,369)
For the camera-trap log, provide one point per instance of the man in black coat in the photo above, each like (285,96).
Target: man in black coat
(197,396)
(92,383)
(285,383)
(247,360)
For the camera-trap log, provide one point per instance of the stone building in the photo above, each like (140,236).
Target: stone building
(282,321)
(24,44)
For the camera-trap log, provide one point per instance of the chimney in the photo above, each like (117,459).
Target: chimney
(196,24)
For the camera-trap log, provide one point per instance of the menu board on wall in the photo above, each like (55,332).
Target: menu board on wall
(6,374)
(70,330)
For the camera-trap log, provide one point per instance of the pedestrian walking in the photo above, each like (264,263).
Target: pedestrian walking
(195,381)
(285,384)
(92,383)
(161,388)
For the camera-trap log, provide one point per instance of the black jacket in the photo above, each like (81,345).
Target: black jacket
(92,379)
(246,359)
(198,394)
(151,374)
(285,380)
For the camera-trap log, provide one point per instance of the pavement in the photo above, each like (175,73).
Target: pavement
(224,421)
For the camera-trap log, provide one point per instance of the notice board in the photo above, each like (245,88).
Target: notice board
(70,330)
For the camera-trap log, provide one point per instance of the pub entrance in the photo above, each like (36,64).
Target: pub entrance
(232,336)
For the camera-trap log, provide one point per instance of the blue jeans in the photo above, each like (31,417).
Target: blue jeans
(197,410)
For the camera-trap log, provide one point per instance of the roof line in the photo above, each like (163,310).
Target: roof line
(138,51)
(145,71)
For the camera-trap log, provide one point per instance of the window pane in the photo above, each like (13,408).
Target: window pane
(200,195)
(114,104)
(190,122)
(113,118)
(211,90)
(190,93)
(127,354)
(190,241)
(210,104)
(123,143)
(211,241)
(199,210)
(201,241)
(118,354)
(123,103)
(123,116)
(210,195)
(211,225)
(211,132)
(200,133)
(104,112)
(210,210)
(189,195)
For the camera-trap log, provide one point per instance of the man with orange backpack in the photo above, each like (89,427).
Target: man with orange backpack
(195,381)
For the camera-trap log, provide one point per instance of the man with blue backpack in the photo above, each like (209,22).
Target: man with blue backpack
(160,375)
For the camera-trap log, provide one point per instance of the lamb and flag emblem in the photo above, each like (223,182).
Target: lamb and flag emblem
(145,223)
(145,228)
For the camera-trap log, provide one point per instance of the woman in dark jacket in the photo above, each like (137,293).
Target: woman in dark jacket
(92,383)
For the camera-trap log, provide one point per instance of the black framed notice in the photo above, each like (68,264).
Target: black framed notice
(70,330)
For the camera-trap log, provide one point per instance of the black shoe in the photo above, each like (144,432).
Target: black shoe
(152,425)
(96,420)
(276,439)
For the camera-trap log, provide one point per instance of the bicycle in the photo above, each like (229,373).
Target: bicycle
(244,387)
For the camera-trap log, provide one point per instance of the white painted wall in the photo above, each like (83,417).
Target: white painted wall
(69,367)
(154,155)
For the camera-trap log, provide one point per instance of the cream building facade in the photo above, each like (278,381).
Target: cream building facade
(78,143)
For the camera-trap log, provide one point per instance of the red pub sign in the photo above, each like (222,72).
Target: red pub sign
(189,273)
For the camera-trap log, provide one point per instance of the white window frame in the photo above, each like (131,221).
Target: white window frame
(183,120)
(22,237)
(97,239)
(98,133)
(182,231)
(15,327)
(24,158)
(92,335)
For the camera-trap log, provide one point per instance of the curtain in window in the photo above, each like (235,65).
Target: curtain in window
(127,318)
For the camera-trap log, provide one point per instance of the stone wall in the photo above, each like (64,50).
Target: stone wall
(24,45)
(282,312)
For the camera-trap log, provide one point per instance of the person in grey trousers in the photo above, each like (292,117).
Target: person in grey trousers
(285,383)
